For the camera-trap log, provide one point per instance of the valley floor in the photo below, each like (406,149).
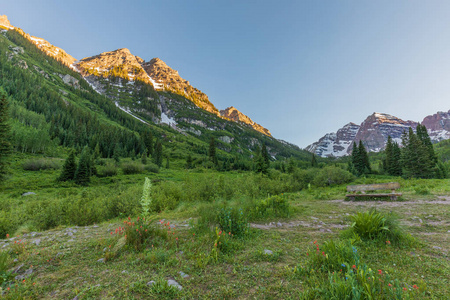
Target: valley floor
(69,263)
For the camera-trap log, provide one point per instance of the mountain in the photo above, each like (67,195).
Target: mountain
(236,116)
(53,51)
(438,126)
(374,132)
(115,100)
(335,144)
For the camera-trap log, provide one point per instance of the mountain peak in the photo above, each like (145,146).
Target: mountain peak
(235,115)
(4,22)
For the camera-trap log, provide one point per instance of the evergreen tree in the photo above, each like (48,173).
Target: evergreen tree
(69,168)
(314,161)
(83,172)
(189,162)
(167,163)
(212,151)
(396,166)
(364,157)
(265,159)
(5,145)
(144,156)
(158,153)
(416,156)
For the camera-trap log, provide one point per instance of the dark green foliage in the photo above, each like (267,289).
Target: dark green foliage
(158,154)
(40,164)
(144,157)
(392,163)
(69,168)
(212,151)
(275,206)
(5,145)
(83,172)
(418,159)
(189,162)
(360,160)
(132,168)
(167,163)
(314,163)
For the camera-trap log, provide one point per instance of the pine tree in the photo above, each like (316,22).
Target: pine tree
(158,154)
(83,172)
(69,168)
(189,162)
(364,157)
(265,159)
(396,167)
(5,145)
(314,161)
(167,163)
(416,157)
(212,151)
(144,156)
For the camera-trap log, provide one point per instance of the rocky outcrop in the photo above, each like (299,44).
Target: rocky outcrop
(169,79)
(438,126)
(4,23)
(235,115)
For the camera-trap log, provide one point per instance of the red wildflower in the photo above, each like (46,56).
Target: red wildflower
(379,272)
(354,267)
(415,286)
(7,235)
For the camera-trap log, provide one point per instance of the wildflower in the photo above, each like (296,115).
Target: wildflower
(220,232)
(405,289)
(323,253)
(315,242)
(23,281)
(388,242)
(390,284)
(307,254)
(176,239)
(414,286)
(34,283)
(229,233)
(7,235)
(129,219)
(145,230)
(354,267)
(215,245)
(193,234)
(379,272)
(111,232)
(354,250)
(343,265)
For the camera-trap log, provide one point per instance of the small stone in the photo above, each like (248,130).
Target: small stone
(314,218)
(70,233)
(420,221)
(15,260)
(104,249)
(76,298)
(29,272)
(95,226)
(279,224)
(19,277)
(71,240)
(437,247)
(124,272)
(152,282)
(28,194)
(101,260)
(5,245)
(172,282)
(268,252)
(183,275)
(36,242)
(16,270)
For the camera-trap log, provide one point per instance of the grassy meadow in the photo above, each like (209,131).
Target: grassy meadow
(218,235)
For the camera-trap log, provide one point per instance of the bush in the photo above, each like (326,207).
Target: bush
(151,167)
(376,226)
(166,196)
(234,221)
(132,168)
(107,171)
(142,233)
(332,256)
(329,176)
(40,164)
(275,206)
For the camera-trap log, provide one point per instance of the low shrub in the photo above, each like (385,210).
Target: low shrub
(376,226)
(330,176)
(151,167)
(167,195)
(275,206)
(132,168)
(107,171)
(5,275)
(40,164)
(233,220)
(332,256)
(142,233)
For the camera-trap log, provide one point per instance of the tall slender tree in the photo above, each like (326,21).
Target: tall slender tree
(83,172)
(158,153)
(314,161)
(212,151)
(5,145)
(69,168)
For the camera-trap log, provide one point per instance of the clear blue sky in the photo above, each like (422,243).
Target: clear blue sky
(299,68)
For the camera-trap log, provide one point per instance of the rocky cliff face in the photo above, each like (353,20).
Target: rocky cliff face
(46,47)
(235,115)
(170,80)
(335,144)
(438,126)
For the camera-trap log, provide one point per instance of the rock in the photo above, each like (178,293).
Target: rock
(36,242)
(183,275)
(150,283)
(268,252)
(172,282)
(71,240)
(15,260)
(279,224)
(437,247)
(125,272)
(17,269)
(70,80)
(420,221)
(101,260)
(28,194)
(29,272)
(5,245)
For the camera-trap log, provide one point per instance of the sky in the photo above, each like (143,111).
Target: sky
(299,68)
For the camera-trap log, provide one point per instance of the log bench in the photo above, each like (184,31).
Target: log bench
(363,188)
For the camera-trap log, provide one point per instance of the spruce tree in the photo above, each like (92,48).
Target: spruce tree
(69,168)
(396,166)
(144,156)
(212,151)
(364,158)
(158,154)
(265,158)
(189,162)
(416,156)
(314,161)
(167,163)
(355,161)
(5,145)
(83,172)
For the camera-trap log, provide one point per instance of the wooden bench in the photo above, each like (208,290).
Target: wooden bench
(363,188)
